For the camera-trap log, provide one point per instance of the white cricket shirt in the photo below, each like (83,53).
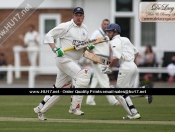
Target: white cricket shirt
(67,32)
(123,49)
(29,39)
(101,49)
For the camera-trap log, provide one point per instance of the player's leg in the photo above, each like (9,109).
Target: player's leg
(123,81)
(90,98)
(104,82)
(127,104)
(29,53)
(49,102)
(81,78)
(47,97)
(149,98)
(34,58)
(81,81)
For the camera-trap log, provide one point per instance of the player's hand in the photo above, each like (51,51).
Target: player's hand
(106,69)
(91,47)
(107,38)
(59,52)
(95,62)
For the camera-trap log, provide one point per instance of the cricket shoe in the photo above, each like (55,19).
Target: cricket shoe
(149,98)
(76,111)
(91,103)
(40,115)
(130,117)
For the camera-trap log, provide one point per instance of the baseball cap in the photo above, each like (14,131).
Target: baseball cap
(78,9)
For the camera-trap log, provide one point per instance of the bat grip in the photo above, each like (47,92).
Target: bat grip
(68,49)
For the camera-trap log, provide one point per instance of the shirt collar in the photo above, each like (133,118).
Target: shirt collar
(116,36)
(75,24)
(101,30)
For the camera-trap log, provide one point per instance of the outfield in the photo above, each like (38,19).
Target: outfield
(16,115)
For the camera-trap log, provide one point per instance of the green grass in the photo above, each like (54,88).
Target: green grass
(162,109)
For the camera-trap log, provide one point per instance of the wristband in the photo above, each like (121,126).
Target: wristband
(54,49)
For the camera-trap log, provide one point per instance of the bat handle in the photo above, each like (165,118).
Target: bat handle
(68,49)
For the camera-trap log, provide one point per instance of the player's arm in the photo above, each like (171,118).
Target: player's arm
(136,52)
(113,62)
(116,49)
(57,32)
(136,55)
(110,52)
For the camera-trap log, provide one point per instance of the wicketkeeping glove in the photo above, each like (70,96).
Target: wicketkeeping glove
(91,47)
(59,52)
(106,69)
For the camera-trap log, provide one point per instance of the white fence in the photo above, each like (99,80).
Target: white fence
(33,71)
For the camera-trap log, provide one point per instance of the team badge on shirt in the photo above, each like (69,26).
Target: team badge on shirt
(84,34)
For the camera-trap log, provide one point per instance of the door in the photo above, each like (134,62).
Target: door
(46,55)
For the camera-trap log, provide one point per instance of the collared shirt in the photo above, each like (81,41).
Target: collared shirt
(123,49)
(67,32)
(101,49)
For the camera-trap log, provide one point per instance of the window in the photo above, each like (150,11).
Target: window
(126,26)
(124,5)
(49,24)
(148,30)
(148,33)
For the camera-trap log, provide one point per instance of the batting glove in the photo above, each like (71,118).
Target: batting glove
(59,52)
(91,47)
(106,69)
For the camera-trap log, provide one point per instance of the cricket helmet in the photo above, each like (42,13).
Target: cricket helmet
(113,27)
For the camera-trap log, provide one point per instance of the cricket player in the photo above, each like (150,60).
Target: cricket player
(102,50)
(31,40)
(67,62)
(124,52)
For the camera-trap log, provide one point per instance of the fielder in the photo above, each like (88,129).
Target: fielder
(67,62)
(124,52)
(102,50)
(31,40)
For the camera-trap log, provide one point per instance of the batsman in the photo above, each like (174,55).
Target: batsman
(125,53)
(72,34)
(74,41)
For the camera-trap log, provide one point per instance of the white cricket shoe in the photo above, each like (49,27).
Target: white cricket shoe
(36,110)
(91,103)
(40,115)
(130,117)
(76,111)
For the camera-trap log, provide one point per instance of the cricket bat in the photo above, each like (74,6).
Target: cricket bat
(81,45)
(96,58)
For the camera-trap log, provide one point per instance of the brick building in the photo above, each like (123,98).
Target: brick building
(13,40)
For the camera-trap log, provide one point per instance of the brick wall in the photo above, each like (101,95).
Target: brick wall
(7,46)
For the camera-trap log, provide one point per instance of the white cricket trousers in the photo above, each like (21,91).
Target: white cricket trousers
(32,55)
(67,70)
(103,81)
(127,74)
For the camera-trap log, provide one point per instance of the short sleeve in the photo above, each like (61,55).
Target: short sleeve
(116,47)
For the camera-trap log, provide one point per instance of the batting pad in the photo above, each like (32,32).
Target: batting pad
(50,103)
(123,103)
(83,78)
